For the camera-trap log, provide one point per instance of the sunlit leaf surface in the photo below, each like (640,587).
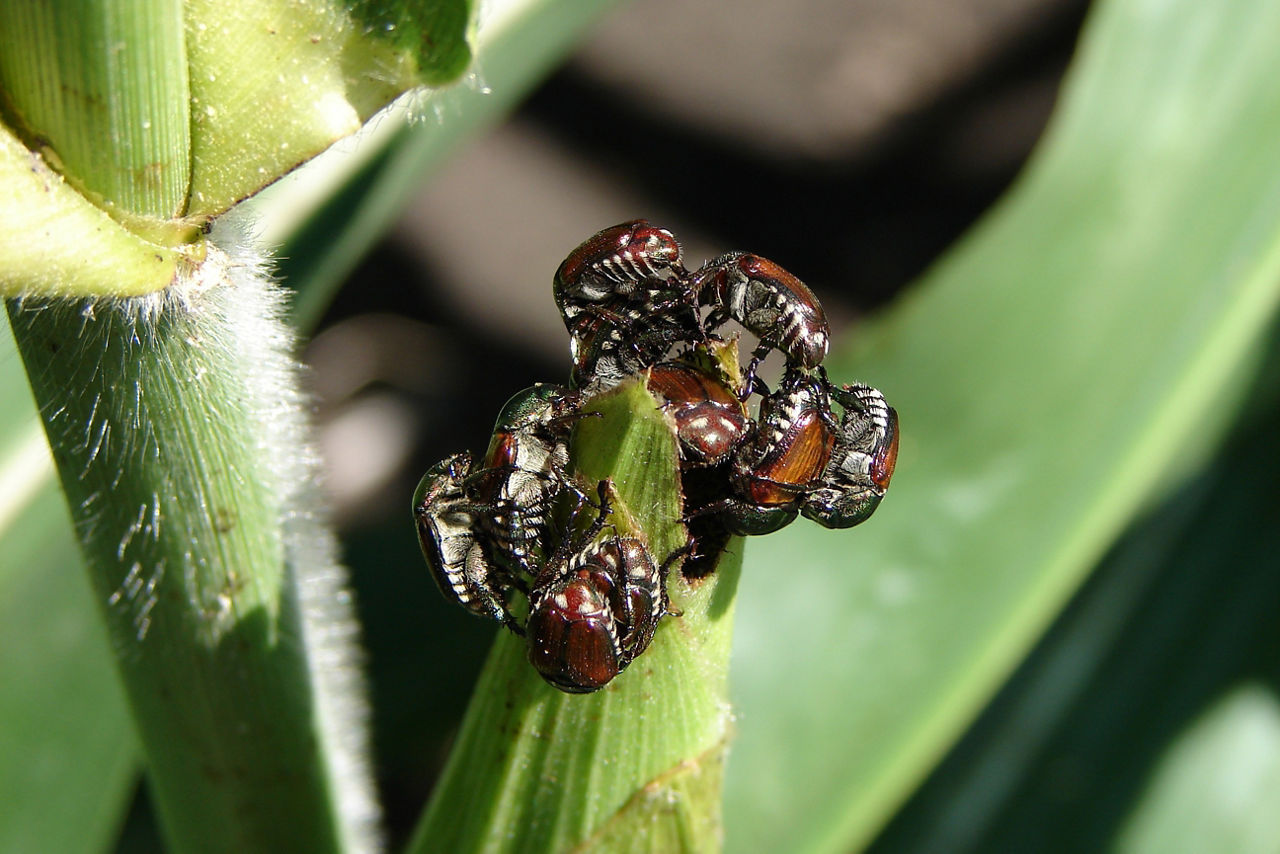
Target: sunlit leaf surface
(1074,353)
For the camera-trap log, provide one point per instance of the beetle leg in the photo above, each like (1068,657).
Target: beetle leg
(749,376)
(683,551)
(509,620)
(711,509)
(606,507)
(797,487)
(665,569)
(572,418)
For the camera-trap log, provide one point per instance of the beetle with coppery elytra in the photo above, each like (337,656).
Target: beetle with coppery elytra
(769,302)
(862,462)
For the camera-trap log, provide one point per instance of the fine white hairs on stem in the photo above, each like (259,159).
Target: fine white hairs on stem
(319,581)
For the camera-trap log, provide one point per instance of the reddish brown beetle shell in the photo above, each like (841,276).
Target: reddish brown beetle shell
(773,473)
(594,612)
(862,464)
(504,451)
(573,641)
(792,447)
(791,464)
(625,299)
(614,261)
(768,301)
(710,420)
(886,458)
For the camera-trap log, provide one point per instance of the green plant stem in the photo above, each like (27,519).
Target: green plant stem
(176,429)
(102,86)
(638,765)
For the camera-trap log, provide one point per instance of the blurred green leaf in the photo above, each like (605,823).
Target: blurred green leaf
(433,32)
(1083,347)
(1216,790)
(1176,617)
(66,741)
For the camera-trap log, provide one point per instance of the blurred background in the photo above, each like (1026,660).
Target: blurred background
(1058,632)
(853,153)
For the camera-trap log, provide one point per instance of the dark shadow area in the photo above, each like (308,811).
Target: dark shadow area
(873,222)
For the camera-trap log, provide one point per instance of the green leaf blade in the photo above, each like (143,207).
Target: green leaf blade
(66,738)
(1072,355)
(1215,790)
(433,32)
(1158,677)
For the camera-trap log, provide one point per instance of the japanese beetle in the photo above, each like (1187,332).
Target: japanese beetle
(524,474)
(446,520)
(624,297)
(611,343)
(769,302)
(592,614)
(633,259)
(710,420)
(773,472)
(862,463)
(531,436)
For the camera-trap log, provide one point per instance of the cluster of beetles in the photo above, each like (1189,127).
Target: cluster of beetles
(586,598)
